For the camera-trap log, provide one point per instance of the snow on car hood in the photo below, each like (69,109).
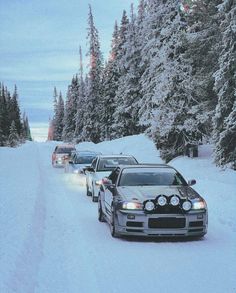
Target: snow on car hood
(141,193)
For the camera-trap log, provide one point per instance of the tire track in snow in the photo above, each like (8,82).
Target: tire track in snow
(24,278)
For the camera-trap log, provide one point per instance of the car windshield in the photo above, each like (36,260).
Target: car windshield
(151,177)
(84,159)
(65,151)
(108,164)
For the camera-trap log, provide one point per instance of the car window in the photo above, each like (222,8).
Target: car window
(65,150)
(109,163)
(84,159)
(151,178)
(94,162)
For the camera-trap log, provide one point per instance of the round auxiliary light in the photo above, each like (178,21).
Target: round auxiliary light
(149,206)
(187,205)
(162,200)
(174,200)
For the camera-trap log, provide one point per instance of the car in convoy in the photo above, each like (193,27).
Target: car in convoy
(62,154)
(79,161)
(102,166)
(151,200)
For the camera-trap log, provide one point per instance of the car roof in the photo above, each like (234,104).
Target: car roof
(115,156)
(86,153)
(65,146)
(140,166)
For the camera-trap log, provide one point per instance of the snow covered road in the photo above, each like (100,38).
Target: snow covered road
(52,242)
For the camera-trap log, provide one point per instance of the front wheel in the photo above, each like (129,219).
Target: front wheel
(87,190)
(113,223)
(94,199)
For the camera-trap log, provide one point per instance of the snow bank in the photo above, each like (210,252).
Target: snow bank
(52,241)
(139,146)
(216,185)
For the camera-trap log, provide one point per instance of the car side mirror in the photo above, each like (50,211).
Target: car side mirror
(191,182)
(89,169)
(107,182)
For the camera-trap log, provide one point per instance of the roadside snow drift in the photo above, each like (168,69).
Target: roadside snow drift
(52,242)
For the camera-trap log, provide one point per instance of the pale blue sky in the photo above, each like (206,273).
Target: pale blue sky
(39,41)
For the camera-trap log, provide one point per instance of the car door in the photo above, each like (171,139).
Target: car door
(110,191)
(90,175)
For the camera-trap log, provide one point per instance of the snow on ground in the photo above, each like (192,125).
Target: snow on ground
(52,242)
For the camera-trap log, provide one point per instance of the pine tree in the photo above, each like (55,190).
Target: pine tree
(92,124)
(80,104)
(110,84)
(70,111)
(14,111)
(119,118)
(13,136)
(128,92)
(59,119)
(26,134)
(225,85)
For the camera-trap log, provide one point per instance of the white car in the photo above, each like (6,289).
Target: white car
(101,167)
(80,160)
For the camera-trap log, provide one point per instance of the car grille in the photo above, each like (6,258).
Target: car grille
(168,209)
(167,223)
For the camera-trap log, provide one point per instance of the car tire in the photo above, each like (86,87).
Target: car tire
(94,199)
(113,224)
(101,217)
(87,190)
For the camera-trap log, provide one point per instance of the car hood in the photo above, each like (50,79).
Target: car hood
(80,166)
(142,193)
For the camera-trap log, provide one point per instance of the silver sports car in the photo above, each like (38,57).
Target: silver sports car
(151,200)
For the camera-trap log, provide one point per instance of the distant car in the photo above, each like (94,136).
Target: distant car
(62,154)
(101,167)
(151,200)
(80,160)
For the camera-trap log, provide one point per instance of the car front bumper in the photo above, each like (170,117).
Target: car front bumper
(138,223)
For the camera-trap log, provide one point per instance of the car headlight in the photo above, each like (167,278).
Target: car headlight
(199,205)
(149,206)
(132,205)
(187,205)
(174,200)
(162,200)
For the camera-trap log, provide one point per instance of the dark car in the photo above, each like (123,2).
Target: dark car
(62,154)
(151,200)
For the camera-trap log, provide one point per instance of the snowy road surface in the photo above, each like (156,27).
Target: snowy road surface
(52,242)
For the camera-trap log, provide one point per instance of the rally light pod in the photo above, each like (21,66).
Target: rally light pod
(149,206)
(162,200)
(187,205)
(174,201)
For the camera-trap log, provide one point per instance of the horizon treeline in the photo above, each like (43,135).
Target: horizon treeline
(171,73)
(14,129)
